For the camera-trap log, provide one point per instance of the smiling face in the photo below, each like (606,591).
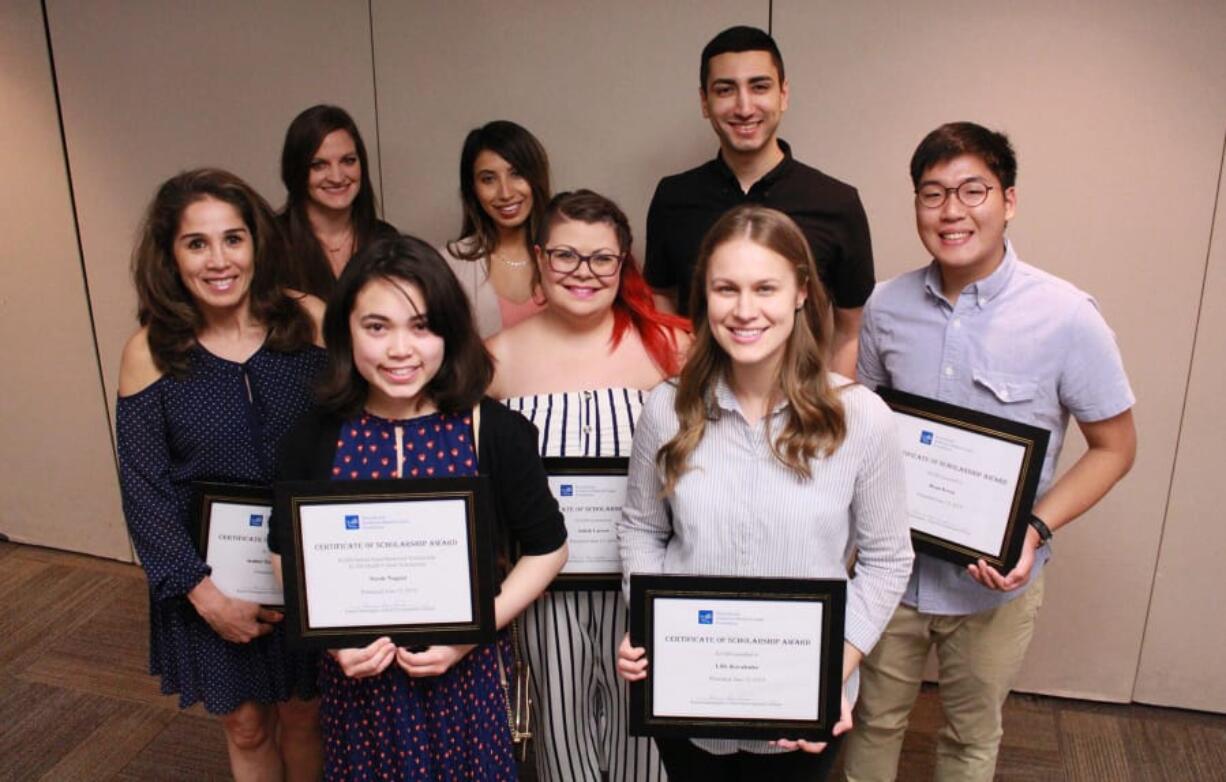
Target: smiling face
(744,100)
(504,194)
(214,252)
(968,242)
(335,174)
(393,348)
(752,299)
(580,293)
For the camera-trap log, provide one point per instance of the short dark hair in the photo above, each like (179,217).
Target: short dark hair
(302,140)
(467,368)
(741,38)
(516,145)
(168,309)
(954,139)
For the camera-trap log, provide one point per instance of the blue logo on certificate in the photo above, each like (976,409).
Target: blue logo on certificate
(926,437)
(568,490)
(351,522)
(256,520)
(706,617)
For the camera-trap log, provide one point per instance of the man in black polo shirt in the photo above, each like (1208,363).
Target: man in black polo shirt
(744,94)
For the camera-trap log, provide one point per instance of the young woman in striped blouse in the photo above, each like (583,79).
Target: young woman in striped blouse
(579,371)
(759,461)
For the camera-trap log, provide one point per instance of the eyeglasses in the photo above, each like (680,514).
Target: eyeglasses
(972,192)
(566,260)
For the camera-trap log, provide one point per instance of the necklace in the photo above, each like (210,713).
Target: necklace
(508,262)
(346,240)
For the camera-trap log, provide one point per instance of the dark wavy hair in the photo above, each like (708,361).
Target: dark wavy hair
(312,273)
(516,145)
(166,307)
(955,139)
(467,368)
(633,306)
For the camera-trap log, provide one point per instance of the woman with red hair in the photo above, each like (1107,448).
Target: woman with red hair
(580,370)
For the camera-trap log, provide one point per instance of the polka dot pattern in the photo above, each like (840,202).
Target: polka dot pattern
(391,726)
(220,422)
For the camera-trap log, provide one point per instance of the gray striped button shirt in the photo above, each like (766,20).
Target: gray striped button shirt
(740,511)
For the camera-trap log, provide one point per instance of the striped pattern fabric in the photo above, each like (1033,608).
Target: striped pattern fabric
(739,511)
(571,638)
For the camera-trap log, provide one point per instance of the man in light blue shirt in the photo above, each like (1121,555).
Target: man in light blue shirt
(980,328)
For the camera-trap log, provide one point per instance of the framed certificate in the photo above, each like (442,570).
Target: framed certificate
(742,658)
(230,525)
(409,559)
(590,493)
(971,479)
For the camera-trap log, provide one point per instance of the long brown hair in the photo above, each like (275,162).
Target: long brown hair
(312,272)
(815,422)
(516,145)
(167,309)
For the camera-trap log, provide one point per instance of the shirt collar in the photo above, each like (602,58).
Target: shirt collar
(985,290)
(725,399)
(767,179)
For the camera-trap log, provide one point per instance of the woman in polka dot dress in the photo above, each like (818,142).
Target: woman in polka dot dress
(220,370)
(406,368)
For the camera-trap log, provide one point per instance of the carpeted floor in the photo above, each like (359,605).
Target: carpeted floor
(76,702)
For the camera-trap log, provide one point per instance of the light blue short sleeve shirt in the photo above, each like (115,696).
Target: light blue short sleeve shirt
(1021,344)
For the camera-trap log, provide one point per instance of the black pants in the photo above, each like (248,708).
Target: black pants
(685,762)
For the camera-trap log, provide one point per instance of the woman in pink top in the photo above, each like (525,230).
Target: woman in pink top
(504,187)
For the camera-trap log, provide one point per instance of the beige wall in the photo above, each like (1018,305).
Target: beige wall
(1117,109)
(152,88)
(1089,93)
(1181,661)
(59,484)
(610,89)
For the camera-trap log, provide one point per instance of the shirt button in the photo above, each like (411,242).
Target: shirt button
(587,430)
(1004,394)
(949,371)
(957,323)
(982,301)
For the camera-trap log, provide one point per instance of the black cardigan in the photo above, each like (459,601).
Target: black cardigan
(527,513)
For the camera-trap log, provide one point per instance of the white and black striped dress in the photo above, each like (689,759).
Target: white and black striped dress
(571,638)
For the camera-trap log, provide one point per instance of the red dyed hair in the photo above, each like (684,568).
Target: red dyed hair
(633,306)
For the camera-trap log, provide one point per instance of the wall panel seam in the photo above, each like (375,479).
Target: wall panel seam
(374,83)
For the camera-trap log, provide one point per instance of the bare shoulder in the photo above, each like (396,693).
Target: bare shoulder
(314,307)
(137,369)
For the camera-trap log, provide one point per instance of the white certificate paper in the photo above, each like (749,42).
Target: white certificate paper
(591,505)
(386,563)
(960,484)
(736,659)
(237,551)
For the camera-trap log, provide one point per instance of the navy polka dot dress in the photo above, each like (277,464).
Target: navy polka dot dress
(220,422)
(391,726)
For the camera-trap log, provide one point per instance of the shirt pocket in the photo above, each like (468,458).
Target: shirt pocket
(1007,395)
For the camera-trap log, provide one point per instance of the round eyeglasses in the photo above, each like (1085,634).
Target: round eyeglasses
(566,260)
(972,192)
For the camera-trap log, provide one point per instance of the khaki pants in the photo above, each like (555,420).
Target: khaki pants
(979,656)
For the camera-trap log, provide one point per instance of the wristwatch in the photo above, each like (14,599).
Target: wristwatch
(1040,527)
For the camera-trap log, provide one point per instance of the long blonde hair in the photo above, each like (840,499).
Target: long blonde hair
(815,422)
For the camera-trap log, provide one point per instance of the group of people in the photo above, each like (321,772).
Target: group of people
(735,370)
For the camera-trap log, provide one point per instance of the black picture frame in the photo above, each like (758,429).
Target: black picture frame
(474,492)
(830,593)
(210,493)
(1032,439)
(558,467)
